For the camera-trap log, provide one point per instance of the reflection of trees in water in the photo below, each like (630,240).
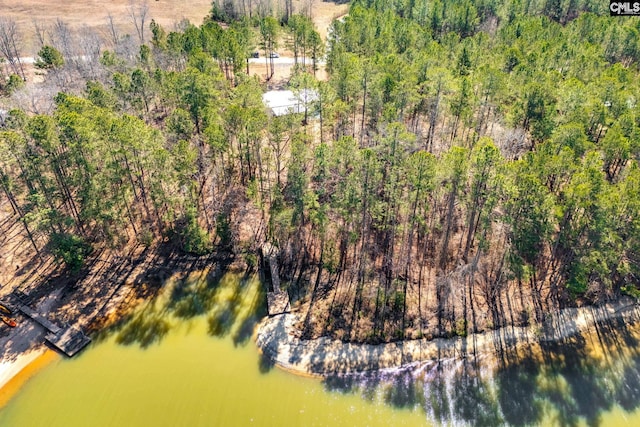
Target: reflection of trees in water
(517,390)
(232,303)
(474,399)
(576,381)
(144,329)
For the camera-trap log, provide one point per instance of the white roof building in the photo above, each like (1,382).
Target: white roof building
(282,102)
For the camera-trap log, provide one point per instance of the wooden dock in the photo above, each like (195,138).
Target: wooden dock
(38,318)
(67,339)
(278,303)
(277,299)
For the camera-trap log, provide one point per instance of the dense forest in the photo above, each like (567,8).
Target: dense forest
(465,165)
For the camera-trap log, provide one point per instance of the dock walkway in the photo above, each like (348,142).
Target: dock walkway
(278,299)
(38,318)
(67,339)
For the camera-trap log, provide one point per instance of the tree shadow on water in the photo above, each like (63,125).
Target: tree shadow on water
(237,313)
(573,381)
(192,305)
(265,363)
(437,403)
(193,296)
(245,330)
(224,313)
(257,310)
(144,329)
(221,321)
(517,390)
(366,384)
(628,394)
(569,381)
(473,399)
(403,391)
(221,296)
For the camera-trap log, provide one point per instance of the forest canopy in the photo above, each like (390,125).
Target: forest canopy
(465,165)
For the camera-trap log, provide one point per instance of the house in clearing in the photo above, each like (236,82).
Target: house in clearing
(281,102)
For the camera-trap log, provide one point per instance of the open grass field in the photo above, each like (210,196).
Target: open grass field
(94,14)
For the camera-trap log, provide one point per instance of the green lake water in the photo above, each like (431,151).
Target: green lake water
(187,359)
(197,369)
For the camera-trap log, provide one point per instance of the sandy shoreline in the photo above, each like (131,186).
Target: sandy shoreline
(276,338)
(15,373)
(23,345)
(10,368)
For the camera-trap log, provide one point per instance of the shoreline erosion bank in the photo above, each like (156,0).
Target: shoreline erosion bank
(277,339)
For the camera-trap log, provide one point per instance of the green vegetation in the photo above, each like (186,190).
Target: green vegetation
(49,58)
(465,162)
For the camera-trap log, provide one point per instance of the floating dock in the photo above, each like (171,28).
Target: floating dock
(69,341)
(277,299)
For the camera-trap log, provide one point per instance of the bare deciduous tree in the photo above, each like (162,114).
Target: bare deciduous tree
(36,99)
(123,45)
(62,39)
(264,8)
(41,32)
(288,10)
(307,8)
(90,46)
(114,34)
(9,45)
(138,11)
(2,74)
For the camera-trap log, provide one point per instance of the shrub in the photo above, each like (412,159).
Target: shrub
(49,58)
(195,239)
(70,249)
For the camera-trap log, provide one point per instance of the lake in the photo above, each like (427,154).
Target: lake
(186,358)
